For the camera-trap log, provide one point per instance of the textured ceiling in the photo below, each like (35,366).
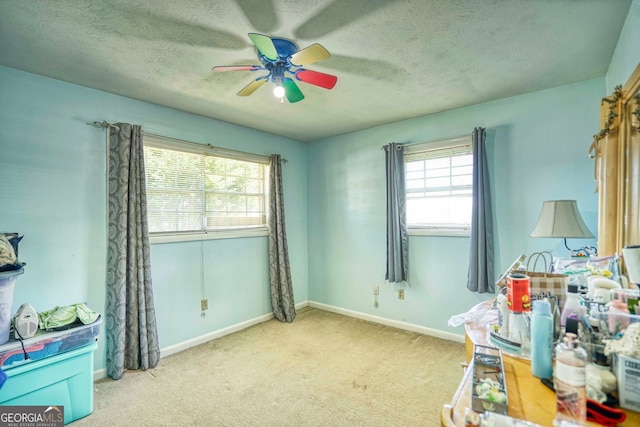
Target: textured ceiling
(394,59)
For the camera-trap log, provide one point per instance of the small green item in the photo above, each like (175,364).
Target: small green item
(63,316)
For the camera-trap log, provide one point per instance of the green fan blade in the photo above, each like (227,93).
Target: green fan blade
(292,91)
(265,45)
(251,87)
(309,55)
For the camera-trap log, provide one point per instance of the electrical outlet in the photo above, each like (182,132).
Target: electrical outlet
(400,293)
(376,290)
(204,304)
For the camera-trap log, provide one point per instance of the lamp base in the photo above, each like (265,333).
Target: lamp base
(585,251)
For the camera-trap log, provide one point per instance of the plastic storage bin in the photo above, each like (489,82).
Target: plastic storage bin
(65,379)
(7,283)
(46,344)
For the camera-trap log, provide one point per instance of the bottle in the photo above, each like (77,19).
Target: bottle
(618,314)
(520,331)
(541,340)
(503,315)
(572,307)
(570,381)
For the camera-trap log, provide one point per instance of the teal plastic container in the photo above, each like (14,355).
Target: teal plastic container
(62,380)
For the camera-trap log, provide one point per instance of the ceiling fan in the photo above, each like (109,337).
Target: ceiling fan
(285,64)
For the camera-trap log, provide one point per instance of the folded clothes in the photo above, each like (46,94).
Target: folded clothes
(60,317)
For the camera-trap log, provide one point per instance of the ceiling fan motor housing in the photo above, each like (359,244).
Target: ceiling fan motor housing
(277,67)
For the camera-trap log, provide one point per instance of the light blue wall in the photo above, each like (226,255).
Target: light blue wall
(52,190)
(626,56)
(537,146)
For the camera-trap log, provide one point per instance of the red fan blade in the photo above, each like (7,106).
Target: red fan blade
(235,68)
(326,81)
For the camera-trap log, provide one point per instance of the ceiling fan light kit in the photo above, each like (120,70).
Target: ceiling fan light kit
(285,64)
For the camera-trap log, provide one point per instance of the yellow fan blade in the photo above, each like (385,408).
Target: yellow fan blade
(251,87)
(314,53)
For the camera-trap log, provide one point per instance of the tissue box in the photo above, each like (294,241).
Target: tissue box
(627,371)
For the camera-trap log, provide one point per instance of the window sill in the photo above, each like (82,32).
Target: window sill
(211,235)
(440,232)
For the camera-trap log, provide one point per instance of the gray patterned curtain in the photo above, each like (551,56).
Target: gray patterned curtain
(397,240)
(284,308)
(131,334)
(480,275)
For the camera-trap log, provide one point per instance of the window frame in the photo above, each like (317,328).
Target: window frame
(168,143)
(432,230)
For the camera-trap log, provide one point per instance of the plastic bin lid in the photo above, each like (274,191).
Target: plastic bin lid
(4,275)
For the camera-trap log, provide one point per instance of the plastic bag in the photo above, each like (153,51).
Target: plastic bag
(483,317)
(579,269)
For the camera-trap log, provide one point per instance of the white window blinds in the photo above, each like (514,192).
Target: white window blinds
(198,188)
(439,181)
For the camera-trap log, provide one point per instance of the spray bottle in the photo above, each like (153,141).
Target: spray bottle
(570,381)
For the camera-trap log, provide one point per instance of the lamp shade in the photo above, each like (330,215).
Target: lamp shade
(561,218)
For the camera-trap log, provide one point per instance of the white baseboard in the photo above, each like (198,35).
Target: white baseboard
(177,348)
(388,322)
(184,345)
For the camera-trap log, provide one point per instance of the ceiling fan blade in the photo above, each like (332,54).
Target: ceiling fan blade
(292,91)
(314,53)
(260,13)
(326,81)
(265,45)
(235,68)
(251,87)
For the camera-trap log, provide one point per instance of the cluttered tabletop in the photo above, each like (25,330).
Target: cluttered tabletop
(552,348)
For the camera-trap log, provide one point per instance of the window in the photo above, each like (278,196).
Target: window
(439,184)
(196,189)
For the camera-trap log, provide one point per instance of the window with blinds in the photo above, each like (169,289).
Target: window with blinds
(439,180)
(194,188)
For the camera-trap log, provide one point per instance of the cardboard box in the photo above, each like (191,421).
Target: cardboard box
(627,371)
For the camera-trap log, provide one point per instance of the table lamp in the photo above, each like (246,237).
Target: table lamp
(561,219)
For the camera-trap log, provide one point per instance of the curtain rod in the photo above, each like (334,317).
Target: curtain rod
(406,144)
(104,124)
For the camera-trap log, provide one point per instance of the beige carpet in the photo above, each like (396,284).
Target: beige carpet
(323,369)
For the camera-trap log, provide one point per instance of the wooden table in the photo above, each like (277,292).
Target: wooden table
(529,399)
